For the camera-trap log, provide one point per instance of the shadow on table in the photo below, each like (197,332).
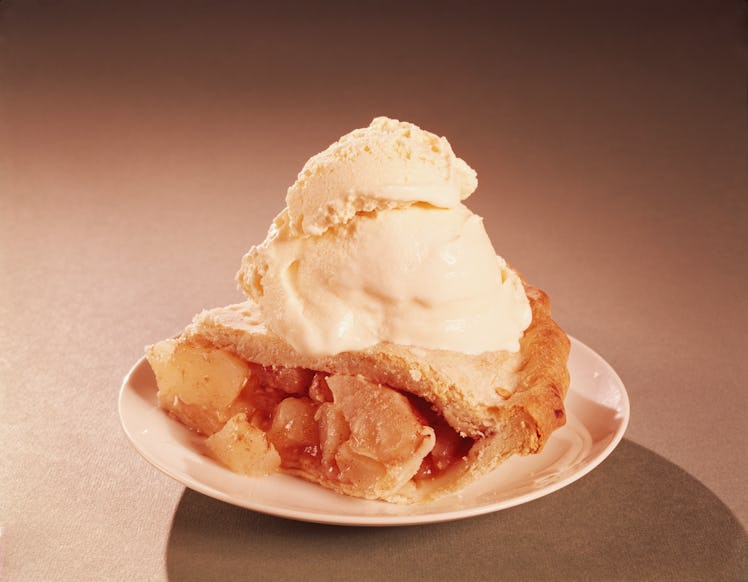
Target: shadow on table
(637,516)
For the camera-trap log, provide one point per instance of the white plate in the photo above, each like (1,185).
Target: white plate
(597,415)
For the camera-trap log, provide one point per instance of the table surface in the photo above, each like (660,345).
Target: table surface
(146,146)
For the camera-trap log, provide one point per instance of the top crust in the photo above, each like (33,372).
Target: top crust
(509,402)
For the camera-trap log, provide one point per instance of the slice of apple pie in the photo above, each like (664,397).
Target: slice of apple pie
(390,422)
(385,350)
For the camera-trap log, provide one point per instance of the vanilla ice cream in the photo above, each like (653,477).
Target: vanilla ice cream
(375,245)
(389,164)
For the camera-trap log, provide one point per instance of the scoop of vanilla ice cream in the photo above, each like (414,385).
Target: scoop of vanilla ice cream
(386,165)
(375,246)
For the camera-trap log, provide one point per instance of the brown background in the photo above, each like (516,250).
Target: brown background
(145,146)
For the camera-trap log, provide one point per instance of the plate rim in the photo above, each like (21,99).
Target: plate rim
(623,409)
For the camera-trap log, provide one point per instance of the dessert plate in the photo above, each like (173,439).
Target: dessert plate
(597,415)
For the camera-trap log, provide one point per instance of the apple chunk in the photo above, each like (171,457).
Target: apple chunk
(244,448)
(198,384)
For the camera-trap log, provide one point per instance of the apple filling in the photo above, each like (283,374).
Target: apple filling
(325,427)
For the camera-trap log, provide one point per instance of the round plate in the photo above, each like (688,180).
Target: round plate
(597,414)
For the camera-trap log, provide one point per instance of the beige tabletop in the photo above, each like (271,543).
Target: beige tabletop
(146,146)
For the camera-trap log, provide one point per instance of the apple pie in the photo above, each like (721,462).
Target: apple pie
(385,350)
(391,422)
